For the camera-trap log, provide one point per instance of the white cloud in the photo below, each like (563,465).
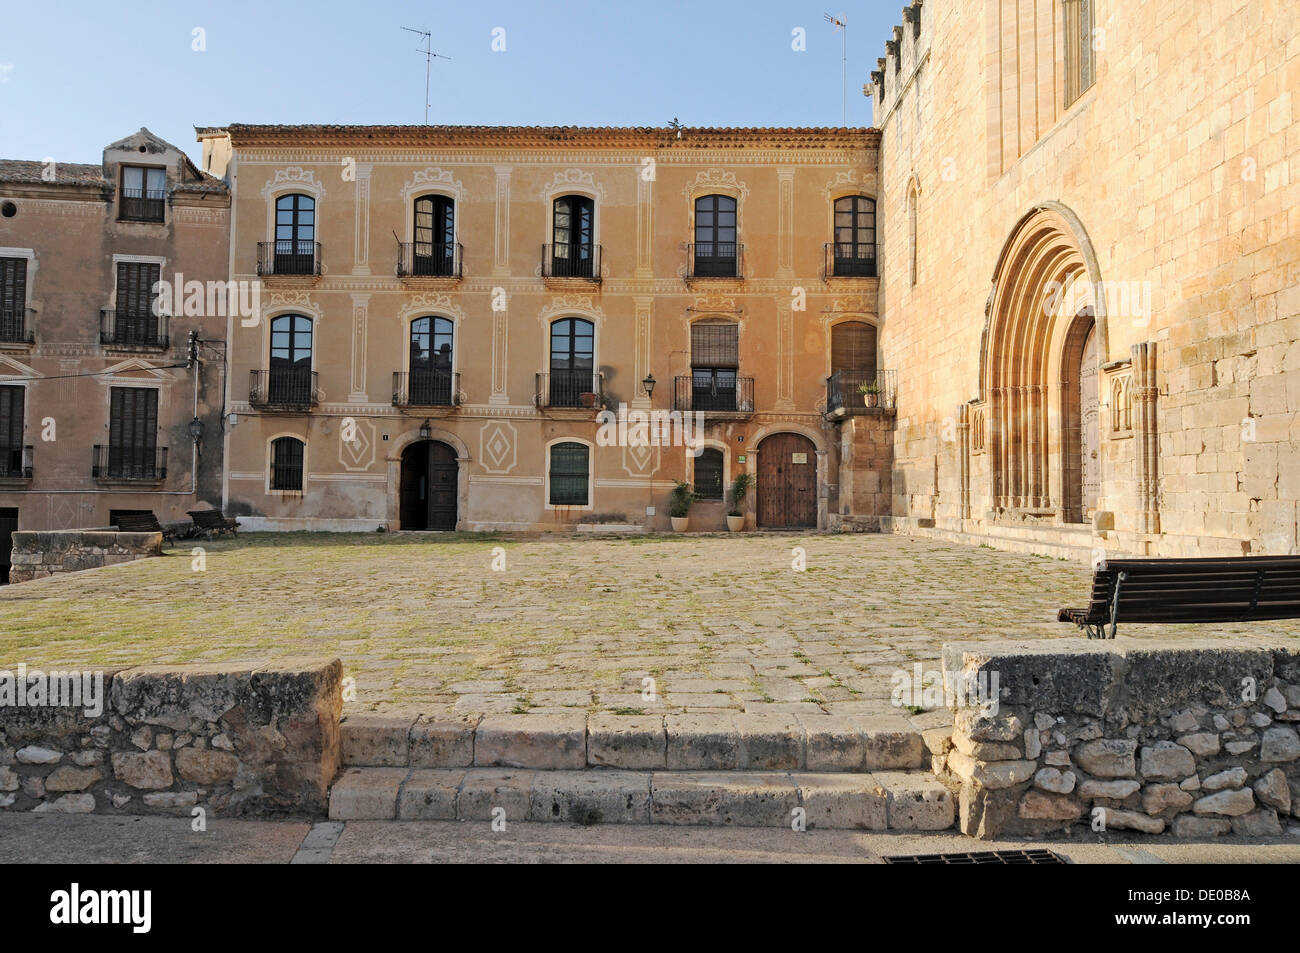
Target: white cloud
(5,70)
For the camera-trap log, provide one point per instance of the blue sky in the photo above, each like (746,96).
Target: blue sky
(76,76)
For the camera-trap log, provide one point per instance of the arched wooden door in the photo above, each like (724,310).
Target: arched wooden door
(427,495)
(787,482)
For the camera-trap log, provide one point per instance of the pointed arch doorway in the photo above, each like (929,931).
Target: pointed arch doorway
(429,485)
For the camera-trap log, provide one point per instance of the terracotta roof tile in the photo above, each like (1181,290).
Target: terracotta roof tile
(65,173)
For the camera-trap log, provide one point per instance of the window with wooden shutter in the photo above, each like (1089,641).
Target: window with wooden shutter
(853,347)
(570,474)
(135,283)
(11,431)
(132,432)
(13,298)
(715,344)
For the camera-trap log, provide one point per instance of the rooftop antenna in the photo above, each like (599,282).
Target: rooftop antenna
(429,56)
(842,23)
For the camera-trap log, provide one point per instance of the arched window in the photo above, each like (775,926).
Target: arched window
(573,361)
(716,250)
(708,474)
(286,464)
(570,474)
(911,231)
(855,237)
(1080,66)
(295,235)
(432,340)
(290,374)
(573,220)
(435,237)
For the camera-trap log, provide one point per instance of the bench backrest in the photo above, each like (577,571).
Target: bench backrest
(1230,589)
(138,523)
(207,518)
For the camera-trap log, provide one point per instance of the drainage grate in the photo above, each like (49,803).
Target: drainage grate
(981,857)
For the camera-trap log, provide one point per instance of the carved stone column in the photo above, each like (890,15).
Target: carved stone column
(1146,437)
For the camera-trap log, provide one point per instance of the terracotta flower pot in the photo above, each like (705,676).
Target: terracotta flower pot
(735,523)
(680,523)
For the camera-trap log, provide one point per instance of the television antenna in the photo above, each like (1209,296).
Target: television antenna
(429,57)
(842,23)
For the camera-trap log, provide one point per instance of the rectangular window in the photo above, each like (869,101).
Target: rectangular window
(11,431)
(570,474)
(1080,64)
(286,464)
(133,320)
(708,475)
(715,355)
(133,433)
(13,299)
(144,194)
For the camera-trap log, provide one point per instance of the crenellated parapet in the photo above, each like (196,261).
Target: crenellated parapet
(901,56)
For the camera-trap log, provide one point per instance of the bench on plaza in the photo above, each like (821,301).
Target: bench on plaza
(210,524)
(145,522)
(1231,589)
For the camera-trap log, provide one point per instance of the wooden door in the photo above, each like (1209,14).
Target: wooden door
(1088,451)
(787,482)
(442,486)
(413,493)
(8,525)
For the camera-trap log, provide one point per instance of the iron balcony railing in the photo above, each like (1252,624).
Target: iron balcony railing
(282,387)
(129,463)
(16,463)
(142,205)
(13,326)
(429,260)
(132,329)
(288,257)
(850,260)
(715,259)
(434,388)
(570,388)
(711,393)
(857,392)
(571,260)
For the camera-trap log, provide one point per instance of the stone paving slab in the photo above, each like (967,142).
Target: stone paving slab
(721,624)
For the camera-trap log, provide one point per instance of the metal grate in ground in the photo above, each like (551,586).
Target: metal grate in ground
(1037,856)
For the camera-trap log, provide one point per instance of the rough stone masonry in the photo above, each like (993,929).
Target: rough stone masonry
(1194,739)
(252,741)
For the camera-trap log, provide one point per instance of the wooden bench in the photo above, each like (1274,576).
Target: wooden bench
(1231,589)
(143,523)
(213,523)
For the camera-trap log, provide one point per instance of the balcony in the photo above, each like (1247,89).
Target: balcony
(849,260)
(714,396)
(15,464)
(14,329)
(714,260)
(426,389)
(114,464)
(430,260)
(571,260)
(288,257)
(288,388)
(578,390)
(860,392)
(133,330)
(142,205)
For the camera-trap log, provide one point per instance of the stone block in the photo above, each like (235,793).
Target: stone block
(842,801)
(724,798)
(630,742)
(366,794)
(373,740)
(543,742)
(591,797)
(702,743)
(484,789)
(442,742)
(429,794)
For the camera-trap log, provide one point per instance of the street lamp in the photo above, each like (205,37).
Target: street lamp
(649,385)
(425,430)
(196,432)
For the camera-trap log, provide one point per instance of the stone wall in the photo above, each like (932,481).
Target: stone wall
(866,459)
(1189,739)
(40,554)
(250,741)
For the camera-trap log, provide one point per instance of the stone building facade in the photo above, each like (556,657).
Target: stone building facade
(451,316)
(1091,273)
(98,395)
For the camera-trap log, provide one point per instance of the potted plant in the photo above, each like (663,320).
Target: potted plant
(740,485)
(587,400)
(679,505)
(871,393)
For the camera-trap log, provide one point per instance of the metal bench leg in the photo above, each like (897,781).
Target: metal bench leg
(1114,604)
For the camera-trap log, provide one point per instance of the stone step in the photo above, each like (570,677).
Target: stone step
(721,742)
(886,800)
(1071,543)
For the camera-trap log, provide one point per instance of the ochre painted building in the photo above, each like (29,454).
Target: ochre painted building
(97,403)
(446,311)
(1090,290)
